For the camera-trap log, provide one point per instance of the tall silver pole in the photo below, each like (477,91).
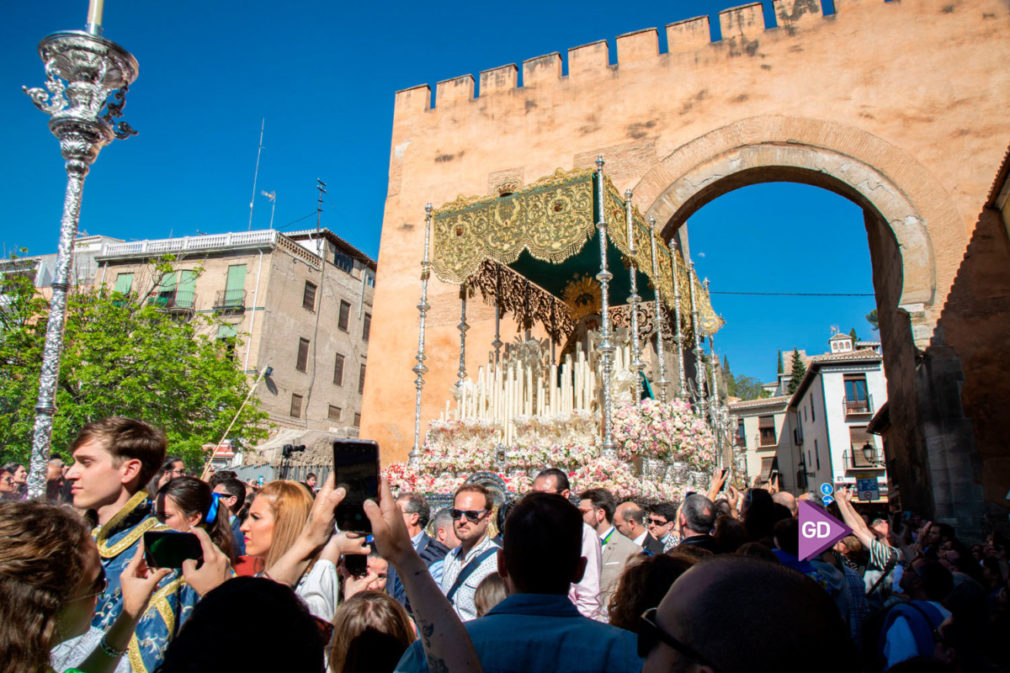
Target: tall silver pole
(699,363)
(714,410)
(678,335)
(606,348)
(636,347)
(422,308)
(661,382)
(463,327)
(87,78)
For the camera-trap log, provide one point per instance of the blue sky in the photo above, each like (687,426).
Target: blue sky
(323,75)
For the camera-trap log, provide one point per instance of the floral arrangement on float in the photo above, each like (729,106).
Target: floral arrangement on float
(661,448)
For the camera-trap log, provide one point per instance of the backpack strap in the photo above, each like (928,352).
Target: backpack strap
(468,570)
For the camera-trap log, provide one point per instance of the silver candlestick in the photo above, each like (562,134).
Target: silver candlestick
(699,362)
(87,78)
(463,327)
(422,308)
(606,347)
(661,382)
(678,335)
(636,346)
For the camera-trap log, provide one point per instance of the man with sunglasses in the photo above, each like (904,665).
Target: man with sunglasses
(475,558)
(536,628)
(734,614)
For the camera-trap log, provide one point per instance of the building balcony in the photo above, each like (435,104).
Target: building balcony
(858,407)
(230,301)
(765,440)
(859,459)
(175,304)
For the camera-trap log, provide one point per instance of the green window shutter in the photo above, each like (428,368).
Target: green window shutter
(168,282)
(227,331)
(187,289)
(124,283)
(164,294)
(236,285)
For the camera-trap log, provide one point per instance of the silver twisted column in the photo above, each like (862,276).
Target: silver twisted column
(637,365)
(678,335)
(661,382)
(463,327)
(422,308)
(606,348)
(699,362)
(87,78)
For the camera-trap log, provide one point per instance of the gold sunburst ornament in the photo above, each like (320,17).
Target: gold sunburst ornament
(582,296)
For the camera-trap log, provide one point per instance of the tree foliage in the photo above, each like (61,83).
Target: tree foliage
(122,355)
(797,372)
(871,318)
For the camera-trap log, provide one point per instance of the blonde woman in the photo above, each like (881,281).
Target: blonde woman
(274,525)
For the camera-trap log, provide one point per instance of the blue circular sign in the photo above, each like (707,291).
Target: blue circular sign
(827,489)
(827,500)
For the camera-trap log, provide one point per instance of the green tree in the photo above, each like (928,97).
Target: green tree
(781,369)
(871,318)
(853,335)
(122,355)
(731,387)
(797,372)
(749,388)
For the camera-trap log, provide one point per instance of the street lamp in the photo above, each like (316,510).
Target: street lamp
(870,453)
(87,78)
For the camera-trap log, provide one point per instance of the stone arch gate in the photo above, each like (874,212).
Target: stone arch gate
(898,106)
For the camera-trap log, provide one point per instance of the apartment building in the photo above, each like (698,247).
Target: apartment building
(301,303)
(758,427)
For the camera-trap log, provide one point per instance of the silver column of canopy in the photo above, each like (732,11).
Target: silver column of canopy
(422,308)
(636,346)
(606,347)
(714,410)
(678,334)
(87,78)
(661,382)
(463,327)
(699,362)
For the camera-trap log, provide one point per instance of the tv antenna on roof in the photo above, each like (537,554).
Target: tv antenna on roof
(256,173)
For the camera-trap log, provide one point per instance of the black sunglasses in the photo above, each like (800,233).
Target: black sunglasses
(472,515)
(649,635)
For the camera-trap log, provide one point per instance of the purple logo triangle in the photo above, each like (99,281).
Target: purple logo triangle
(818,530)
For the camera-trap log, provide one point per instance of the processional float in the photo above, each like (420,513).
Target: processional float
(569,255)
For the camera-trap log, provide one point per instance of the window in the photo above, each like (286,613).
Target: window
(741,438)
(343,262)
(164,294)
(124,283)
(856,399)
(338,370)
(366,326)
(228,333)
(345,314)
(296,405)
(361,380)
(303,355)
(370,279)
(309,296)
(234,291)
(766,426)
(864,450)
(813,412)
(817,454)
(185,296)
(333,413)
(357,420)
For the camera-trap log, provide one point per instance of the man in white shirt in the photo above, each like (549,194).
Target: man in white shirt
(476,556)
(586,593)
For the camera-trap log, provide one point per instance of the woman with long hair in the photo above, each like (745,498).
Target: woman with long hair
(186,502)
(275,522)
(371,631)
(50,579)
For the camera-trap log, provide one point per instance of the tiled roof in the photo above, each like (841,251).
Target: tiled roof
(767,401)
(861,354)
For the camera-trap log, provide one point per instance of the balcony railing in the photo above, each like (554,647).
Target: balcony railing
(858,407)
(230,301)
(856,460)
(182,304)
(189,243)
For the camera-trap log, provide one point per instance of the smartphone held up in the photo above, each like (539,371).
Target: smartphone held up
(169,548)
(356,470)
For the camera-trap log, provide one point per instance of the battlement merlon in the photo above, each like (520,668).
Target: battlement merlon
(741,28)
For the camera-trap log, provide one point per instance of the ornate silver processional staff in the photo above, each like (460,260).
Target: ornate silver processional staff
(87,78)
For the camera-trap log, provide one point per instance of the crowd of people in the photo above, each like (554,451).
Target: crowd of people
(548,581)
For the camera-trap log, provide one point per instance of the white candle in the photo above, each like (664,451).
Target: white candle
(95,16)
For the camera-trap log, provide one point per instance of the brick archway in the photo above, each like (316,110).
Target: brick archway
(885,182)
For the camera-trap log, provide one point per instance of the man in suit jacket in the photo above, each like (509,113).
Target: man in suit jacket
(629,519)
(598,506)
(416,513)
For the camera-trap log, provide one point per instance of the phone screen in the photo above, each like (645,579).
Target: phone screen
(356,467)
(169,548)
(356,564)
